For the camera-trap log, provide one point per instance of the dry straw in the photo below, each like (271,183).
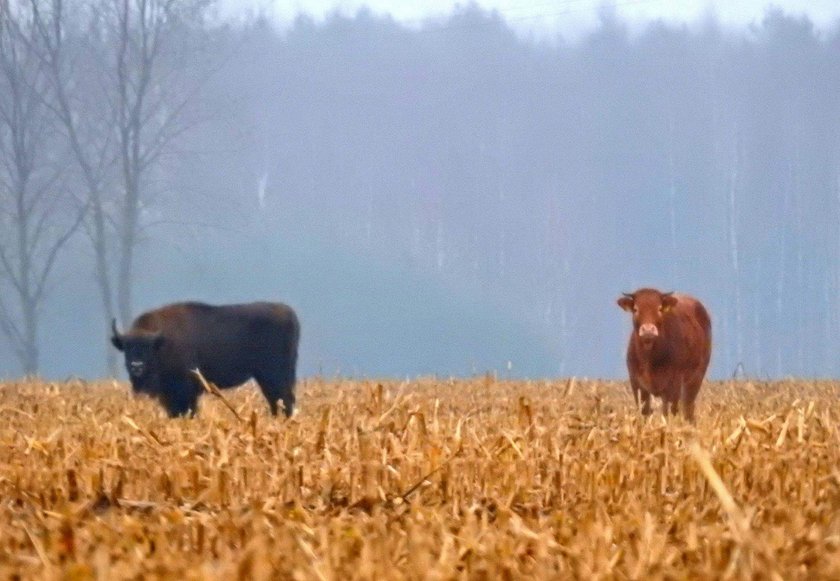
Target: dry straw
(429,479)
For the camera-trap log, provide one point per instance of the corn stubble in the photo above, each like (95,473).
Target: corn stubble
(431,479)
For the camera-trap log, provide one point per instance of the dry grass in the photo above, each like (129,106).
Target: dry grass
(430,479)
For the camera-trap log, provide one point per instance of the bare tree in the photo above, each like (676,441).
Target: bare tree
(122,89)
(37,215)
(733,186)
(74,62)
(150,100)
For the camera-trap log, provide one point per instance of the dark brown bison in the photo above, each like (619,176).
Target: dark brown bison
(229,344)
(669,349)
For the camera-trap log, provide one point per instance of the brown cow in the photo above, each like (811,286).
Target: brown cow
(669,348)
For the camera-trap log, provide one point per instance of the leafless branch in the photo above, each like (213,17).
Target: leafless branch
(56,247)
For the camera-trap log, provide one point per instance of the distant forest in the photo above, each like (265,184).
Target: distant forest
(453,198)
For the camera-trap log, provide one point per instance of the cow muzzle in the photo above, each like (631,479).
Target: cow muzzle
(648,332)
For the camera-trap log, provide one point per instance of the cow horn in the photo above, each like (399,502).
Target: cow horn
(628,295)
(667,294)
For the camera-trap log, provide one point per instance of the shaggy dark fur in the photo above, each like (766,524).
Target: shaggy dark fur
(229,344)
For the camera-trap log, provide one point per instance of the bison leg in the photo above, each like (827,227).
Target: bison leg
(276,390)
(277,380)
(180,398)
(181,405)
(288,404)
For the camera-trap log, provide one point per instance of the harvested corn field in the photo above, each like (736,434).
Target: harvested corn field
(431,478)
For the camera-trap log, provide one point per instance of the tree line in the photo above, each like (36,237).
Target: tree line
(537,179)
(92,93)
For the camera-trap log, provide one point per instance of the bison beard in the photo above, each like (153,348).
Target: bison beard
(669,349)
(229,344)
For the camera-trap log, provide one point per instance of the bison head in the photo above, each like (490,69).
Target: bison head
(141,357)
(649,308)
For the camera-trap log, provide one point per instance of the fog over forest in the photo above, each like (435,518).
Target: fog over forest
(446,199)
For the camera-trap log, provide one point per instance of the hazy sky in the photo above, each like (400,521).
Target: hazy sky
(547,17)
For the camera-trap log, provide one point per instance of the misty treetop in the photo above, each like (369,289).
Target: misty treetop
(450,198)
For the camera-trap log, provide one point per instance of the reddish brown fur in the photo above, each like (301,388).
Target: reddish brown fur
(670,365)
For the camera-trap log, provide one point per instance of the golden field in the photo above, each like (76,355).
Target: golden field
(428,479)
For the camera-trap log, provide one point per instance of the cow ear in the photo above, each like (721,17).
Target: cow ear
(626,302)
(669,301)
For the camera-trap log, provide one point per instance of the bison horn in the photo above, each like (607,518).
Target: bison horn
(114,328)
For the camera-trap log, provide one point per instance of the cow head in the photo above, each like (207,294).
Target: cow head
(141,356)
(649,308)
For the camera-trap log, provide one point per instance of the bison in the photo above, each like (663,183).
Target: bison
(669,349)
(229,344)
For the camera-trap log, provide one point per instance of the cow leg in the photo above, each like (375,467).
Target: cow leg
(688,395)
(688,398)
(647,409)
(688,410)
(639,393)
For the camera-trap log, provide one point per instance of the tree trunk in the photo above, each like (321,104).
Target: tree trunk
(734,250)
(832,292)
(780,279)
(757,321)
(124,276)
(103,277)
(29,349)
(672,199)
(800,261)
